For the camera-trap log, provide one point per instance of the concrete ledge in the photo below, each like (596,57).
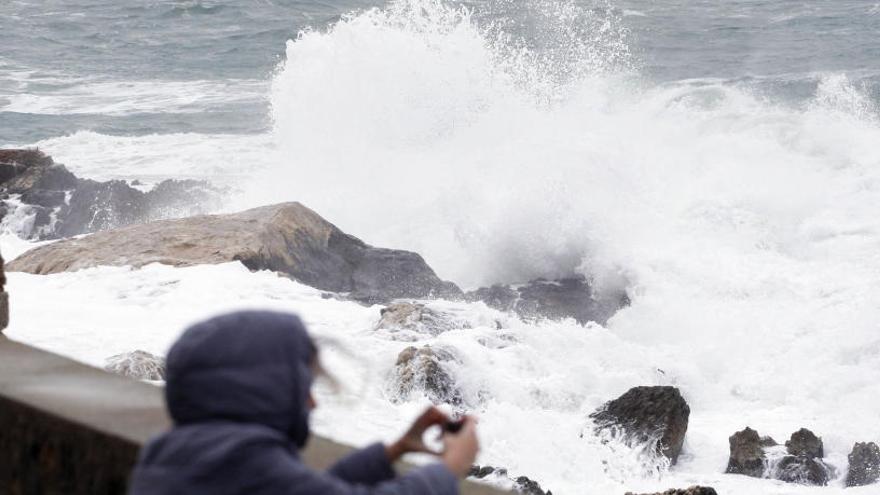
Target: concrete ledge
(67,428)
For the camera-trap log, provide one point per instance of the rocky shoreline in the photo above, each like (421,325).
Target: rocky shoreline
(115,223)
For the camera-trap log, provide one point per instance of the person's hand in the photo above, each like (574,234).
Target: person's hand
(412,441)
(461,448)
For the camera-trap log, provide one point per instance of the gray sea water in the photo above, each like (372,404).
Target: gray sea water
(128,67)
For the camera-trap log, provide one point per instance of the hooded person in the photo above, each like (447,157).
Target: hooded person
(238,388)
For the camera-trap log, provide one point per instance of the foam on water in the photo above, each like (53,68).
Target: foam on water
(504,148)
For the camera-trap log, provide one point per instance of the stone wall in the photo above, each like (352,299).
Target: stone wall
(70,429)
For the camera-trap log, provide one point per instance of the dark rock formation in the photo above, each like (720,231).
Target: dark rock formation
(63,205)
(140,365)
(287,238)
(416,318)
(522,484)
(746,454)
(694,490)
(864,465)
(646,415)
(552,299)
(423,370)
(804,443)
(767,441)
(802,469)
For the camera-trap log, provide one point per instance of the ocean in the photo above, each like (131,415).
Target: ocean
(717,160)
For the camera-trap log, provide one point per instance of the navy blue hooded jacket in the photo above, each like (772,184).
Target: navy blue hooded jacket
(237,388)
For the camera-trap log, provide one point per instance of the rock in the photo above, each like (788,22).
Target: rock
(694,490)
(417,318)
(522,484)
(552,299)
(802,469)
(804,443)
(647,415)
(423,370)
(83,206)
(137,364)
(287,238)
(864,465)
(767,441)
(746,454)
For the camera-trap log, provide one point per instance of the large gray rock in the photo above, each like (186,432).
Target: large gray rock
(571,297)
(521,484)
(424,370)
(62,205)
(805,443)
(140,365)
(647,415)
(287,238)
(746,454)
(864,465)
(803,470)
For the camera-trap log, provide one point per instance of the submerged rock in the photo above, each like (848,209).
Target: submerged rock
(63,205)
(864,465)
(571,297)
(646,415)
(418,319)
(522,484)
(137,364)
(746,454)
(424,370)
(694,490)
(287,238)
(803,470)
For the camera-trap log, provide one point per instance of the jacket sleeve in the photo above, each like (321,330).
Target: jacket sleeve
(279,473)
(367,466)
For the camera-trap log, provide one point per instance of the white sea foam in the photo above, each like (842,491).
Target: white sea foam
(744,230)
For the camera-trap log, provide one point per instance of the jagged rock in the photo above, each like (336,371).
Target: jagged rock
(522,484)
(864,465)
(694,490)
(647,414)
(137,364)
(287,238)
(746,454)
(768,441)
(802,469)
(552,299)
(804,443)
(82,206)
(423,370)
(417,318)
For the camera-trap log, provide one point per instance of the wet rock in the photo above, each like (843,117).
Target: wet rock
(805,443)
(768,441)
(803,470)
(521,484)
(423,370)
(417,318)
(864,465)
(140,365)
(694,490)
(656,416)
(84,206)
(746,454)
(287,238)
(571,297)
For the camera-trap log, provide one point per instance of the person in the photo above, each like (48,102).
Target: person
(238,390)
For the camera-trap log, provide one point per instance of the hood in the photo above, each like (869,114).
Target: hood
(247,367)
